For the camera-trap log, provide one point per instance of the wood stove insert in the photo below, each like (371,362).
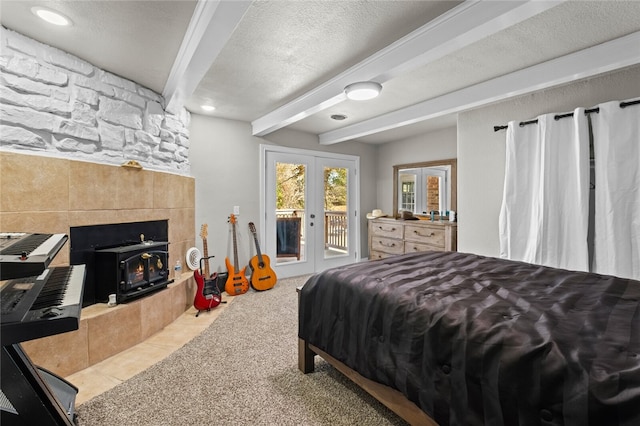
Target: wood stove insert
(131,271)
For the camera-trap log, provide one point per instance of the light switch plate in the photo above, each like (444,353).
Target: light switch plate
(236,210)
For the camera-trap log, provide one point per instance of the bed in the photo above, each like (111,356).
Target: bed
(451,338)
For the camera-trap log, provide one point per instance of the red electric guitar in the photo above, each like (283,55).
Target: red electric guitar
(208,294)
(237,282)
(262,276)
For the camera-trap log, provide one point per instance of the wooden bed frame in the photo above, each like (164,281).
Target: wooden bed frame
(391,398)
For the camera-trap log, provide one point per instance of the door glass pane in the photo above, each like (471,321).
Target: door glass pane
(408,192)
(433,194)
(408,196)
(290,211)
(335,211)
(436,194)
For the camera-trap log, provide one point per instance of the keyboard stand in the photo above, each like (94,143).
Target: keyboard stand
(31,395)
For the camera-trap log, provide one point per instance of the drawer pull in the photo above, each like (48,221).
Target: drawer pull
(433,234)
(387,245)
(382,229)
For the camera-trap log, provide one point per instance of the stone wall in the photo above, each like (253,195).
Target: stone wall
(55,104)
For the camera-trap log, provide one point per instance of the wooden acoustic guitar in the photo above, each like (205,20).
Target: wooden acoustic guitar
(262,276)
(237,282)
(208,294)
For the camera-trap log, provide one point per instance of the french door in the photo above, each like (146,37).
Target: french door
(309,203)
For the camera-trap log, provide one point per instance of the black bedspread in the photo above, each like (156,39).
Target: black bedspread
(476,340)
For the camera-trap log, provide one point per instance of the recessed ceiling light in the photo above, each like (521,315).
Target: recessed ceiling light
(52,17)
(208,108)
(339,117)
(363,90)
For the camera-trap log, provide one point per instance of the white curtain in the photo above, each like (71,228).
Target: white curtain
(616,140)
(544,218)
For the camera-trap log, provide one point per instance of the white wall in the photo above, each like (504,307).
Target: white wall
(224,159)
(437,145)
(224,163)
(481,152)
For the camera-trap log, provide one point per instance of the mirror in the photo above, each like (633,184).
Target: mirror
(423,187)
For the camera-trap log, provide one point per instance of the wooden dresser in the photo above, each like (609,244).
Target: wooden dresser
(389,237)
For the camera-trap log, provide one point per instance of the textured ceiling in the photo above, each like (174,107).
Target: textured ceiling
(564,29)
(138,40)
(278,52)
(282,49)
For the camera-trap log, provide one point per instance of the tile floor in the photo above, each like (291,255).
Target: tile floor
(103,376)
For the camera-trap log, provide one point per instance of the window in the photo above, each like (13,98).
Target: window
(408,196)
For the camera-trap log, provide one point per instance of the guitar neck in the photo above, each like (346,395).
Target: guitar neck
(235,248)
(255,239)
(205,250)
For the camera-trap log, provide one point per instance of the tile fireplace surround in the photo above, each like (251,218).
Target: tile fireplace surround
(106,331)
(50,195)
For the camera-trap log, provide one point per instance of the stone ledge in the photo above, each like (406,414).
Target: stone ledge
(106,331)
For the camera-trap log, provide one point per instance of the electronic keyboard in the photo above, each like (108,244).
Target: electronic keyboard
(23,254)
(42,305)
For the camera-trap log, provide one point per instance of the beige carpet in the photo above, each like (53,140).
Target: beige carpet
(242,370)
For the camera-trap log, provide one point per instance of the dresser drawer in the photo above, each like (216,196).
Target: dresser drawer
(387,245)
(389,230)
(389,237)
(424,235)
(373,255)
(411,247)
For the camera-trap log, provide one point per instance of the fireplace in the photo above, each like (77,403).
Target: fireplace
(129,260)
(131,271)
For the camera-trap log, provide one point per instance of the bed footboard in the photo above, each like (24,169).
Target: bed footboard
(389,397)
(305,357)
(305,354)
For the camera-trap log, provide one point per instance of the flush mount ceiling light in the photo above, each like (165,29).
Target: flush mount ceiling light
(339,117)
(363,90)
(52,17)
(208,108)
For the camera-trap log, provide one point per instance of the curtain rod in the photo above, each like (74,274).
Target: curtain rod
(569,114)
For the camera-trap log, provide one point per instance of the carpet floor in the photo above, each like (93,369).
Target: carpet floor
(242,370)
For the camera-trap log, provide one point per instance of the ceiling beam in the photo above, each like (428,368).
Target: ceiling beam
(459,27)
(211,25)
(605,57)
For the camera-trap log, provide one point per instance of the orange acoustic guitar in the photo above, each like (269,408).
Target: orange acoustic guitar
(237,282)
(262,276)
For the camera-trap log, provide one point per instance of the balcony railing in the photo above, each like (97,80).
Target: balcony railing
(335,230)
(335,227)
